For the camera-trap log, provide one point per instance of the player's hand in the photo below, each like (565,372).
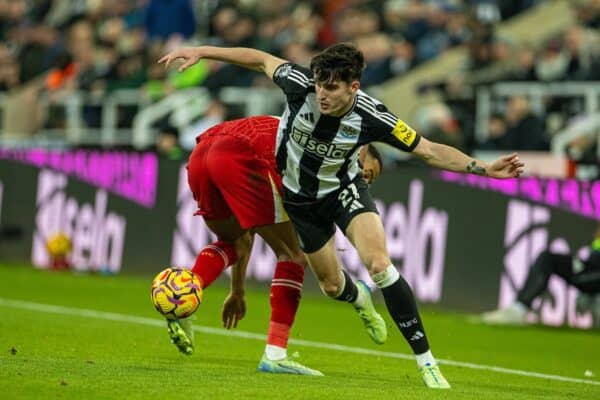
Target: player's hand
(234,309)
(506,167)
(189,55)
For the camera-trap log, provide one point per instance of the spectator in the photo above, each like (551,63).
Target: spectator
(587,12)
(553,62)
(165,18)
(481,49)
(581,46)
(519,130)
(9,70)
(354,22)
(524,68)
(377,50)
(525,129)
(497,138)
(298,52)
(510,8)
(437,123)
(167,143)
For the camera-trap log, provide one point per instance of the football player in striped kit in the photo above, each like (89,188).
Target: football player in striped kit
(233,177)
(326,120)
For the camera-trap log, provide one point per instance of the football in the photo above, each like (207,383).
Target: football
(58,245)
(176,293)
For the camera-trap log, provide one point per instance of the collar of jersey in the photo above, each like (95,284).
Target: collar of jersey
(351,108)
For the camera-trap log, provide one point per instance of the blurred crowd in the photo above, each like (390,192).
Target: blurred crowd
(572,55)
(99,46)
(103,45)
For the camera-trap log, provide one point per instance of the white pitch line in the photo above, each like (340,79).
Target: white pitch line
(80,312)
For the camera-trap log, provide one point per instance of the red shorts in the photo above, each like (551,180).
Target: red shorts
(228,177)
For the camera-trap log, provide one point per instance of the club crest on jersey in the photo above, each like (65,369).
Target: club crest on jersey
(404,133)
(317,147)
(348,131)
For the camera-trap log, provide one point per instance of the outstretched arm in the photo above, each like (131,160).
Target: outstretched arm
(446,157)
(244,57)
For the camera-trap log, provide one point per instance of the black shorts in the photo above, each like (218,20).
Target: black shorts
(315,220)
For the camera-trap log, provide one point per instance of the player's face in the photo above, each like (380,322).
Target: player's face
(335,97)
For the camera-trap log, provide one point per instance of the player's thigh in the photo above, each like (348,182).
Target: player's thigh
(228,229)
(367,235)
(325,263)
(356,215)
(248,185)
(283,241)
(313,221)
(211,203)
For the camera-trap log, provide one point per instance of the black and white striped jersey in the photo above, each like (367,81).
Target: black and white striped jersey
(317,154)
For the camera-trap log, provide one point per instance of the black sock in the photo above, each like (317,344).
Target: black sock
(402,307)
(350,291)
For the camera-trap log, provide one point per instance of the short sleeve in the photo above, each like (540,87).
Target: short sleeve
(293,79)
(401,136)
(383,126)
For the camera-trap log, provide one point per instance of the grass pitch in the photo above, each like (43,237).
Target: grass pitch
(67,336)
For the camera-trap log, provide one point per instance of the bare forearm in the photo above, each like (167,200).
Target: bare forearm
(242,56)
(452,159)
(238,276)
(243,246)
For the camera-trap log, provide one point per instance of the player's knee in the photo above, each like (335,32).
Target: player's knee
(331,287)
(377,264)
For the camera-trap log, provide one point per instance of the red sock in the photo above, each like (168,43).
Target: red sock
(212,260)
(286,290)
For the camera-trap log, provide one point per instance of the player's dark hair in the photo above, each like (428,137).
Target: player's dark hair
(342,62)
(373,152)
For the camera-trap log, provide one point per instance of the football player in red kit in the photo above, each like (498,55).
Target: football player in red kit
(233,176)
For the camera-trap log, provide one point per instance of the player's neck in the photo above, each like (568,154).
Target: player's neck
(344,110)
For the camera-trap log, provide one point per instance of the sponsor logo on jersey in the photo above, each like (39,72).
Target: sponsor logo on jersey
(317,147)
(404,133)
(348,131)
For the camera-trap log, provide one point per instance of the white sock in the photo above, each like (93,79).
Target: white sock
(275,353)
(387,277)
(520,307)
(360,299)
(424,359)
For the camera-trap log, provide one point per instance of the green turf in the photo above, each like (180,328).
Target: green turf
(54,356)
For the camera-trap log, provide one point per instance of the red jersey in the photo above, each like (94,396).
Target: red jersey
(259,132)
(232,171)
